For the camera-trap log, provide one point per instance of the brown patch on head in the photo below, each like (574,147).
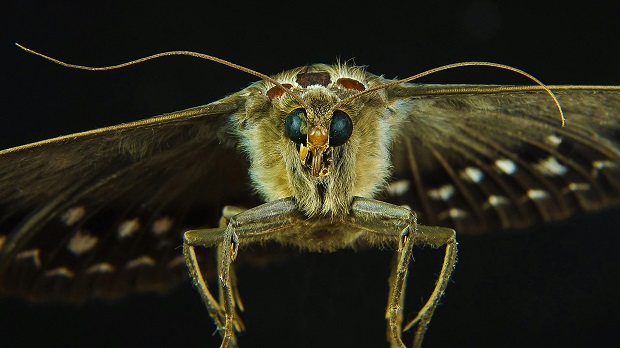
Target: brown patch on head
(276,92)
(316,78)
(351,84)
(317,136)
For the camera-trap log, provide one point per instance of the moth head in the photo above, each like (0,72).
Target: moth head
(306,143)
(316,140)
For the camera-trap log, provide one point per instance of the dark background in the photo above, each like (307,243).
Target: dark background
(555,285)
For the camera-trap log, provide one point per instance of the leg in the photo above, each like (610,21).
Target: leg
(247,226)
(391,223)
(214,309)
(394,313)
(227,213)
(385,220)
(226,255)
(210,237)
(434,237)
(375,221)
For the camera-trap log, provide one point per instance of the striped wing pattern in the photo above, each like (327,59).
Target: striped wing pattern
(502,160)
(79,223)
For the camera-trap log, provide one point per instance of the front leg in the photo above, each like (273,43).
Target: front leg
(388,222)
(377,222)
(257,224)
(435,237)
(211,237)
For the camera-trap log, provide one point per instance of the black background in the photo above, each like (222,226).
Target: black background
(555,285)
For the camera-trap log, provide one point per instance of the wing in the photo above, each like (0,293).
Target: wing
(480,158)
(101,213)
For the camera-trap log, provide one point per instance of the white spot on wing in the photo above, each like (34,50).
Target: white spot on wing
(444,192)
(550,166)
(177,261)
(128,227)
(33,253)
(507,166)
(497,200)
(81,242)
(537,194)
(553,140)
(454,213)
(161,225)
(472,174)
(60,272)
(101,267)
(140,261)
(458,213)
(398,188)
(73,215)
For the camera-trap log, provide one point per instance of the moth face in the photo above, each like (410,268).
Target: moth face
(321,155)
(317,136)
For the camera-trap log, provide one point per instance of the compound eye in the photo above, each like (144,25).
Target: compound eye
(296,127)
(340,128)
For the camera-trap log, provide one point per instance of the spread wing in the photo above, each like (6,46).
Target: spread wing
(101,213)
(480,158)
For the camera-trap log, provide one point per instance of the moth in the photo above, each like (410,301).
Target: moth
(321,157)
